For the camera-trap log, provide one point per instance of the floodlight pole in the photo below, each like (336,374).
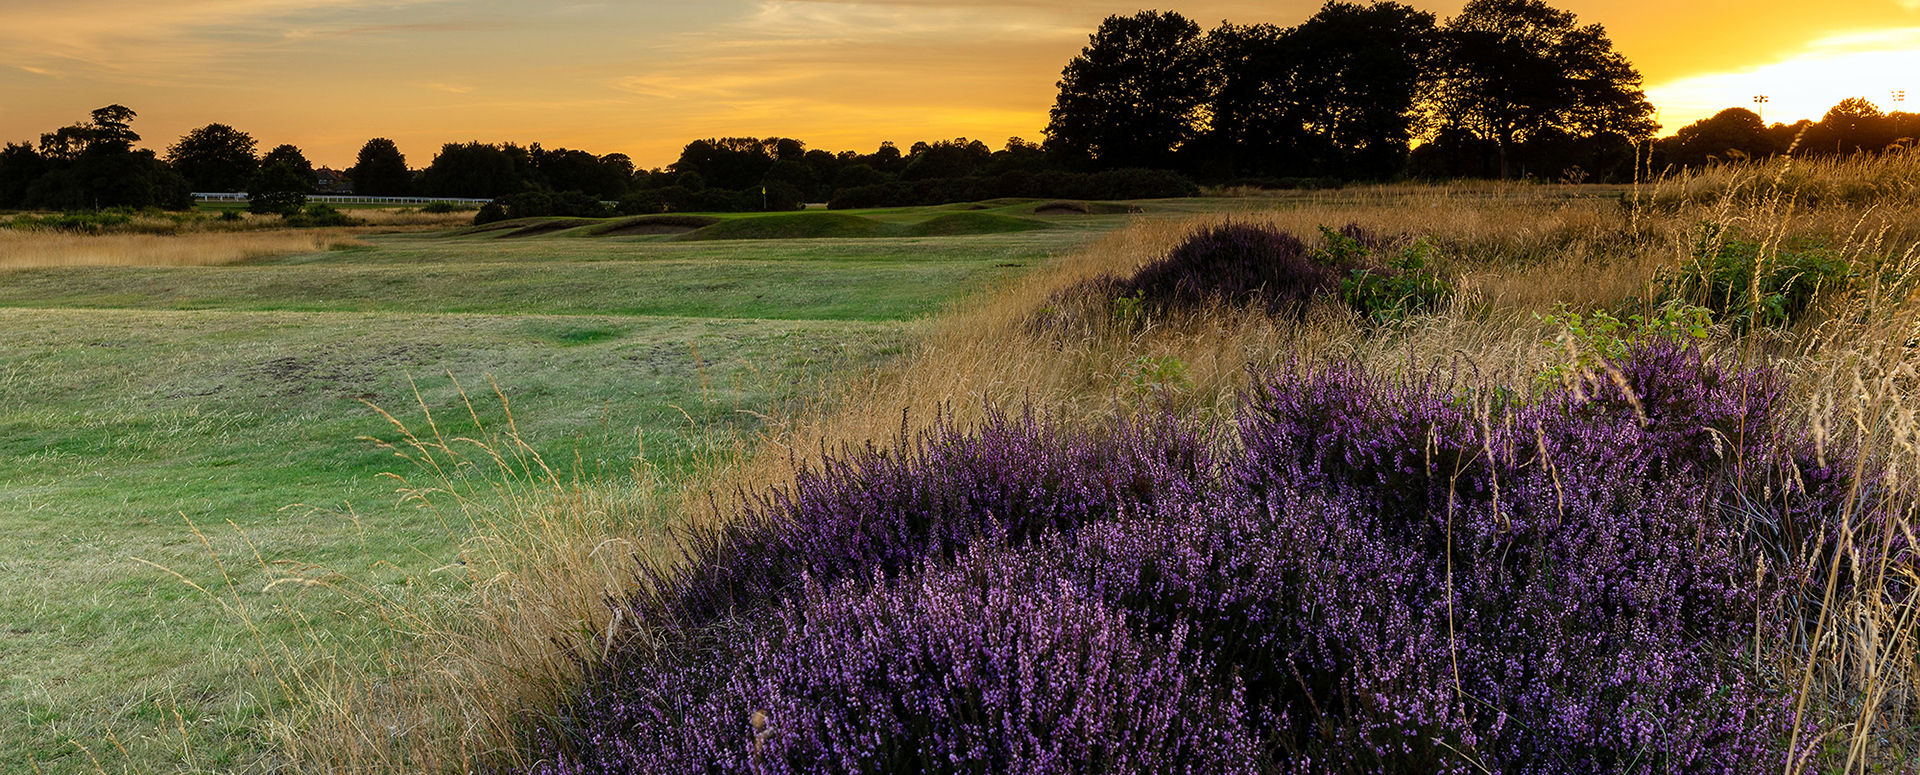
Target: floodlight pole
(1760,107)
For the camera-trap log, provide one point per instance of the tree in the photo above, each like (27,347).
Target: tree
(478,170)
(564,170)
(1250,106)
(215,157)
(280,188)
(1515,70)
(1358,79)
(1853,125)
(1132,96)
(94,165)
(291,155)
(1734,132)
(20,166)
(381,170)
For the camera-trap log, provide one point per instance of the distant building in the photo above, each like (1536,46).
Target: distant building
(327,180)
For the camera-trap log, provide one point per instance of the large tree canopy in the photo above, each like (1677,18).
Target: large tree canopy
(215,157)
(1132,96)
(1514,71)
(381,170)
(1339,95)
(1731,133)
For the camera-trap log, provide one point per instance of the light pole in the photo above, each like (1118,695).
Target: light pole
(1760,107)
(1899,96)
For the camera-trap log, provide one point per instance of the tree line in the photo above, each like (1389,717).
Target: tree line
(1505,88)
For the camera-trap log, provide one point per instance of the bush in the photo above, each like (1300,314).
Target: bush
(1403,286)
(445,207)
(542,204)
(1378,577)
(278,188)
(81,221)
(319,215)
(1721,276)
(1241,264)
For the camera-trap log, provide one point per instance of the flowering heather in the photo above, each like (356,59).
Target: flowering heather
(1237,263)
(1380,576)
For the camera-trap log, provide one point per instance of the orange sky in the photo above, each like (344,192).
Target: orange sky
(644,77)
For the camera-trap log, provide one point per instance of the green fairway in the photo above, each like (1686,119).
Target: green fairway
(134,400)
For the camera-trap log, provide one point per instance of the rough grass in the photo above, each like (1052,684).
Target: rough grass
(22,249)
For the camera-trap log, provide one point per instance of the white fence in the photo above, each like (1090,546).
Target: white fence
(347,199)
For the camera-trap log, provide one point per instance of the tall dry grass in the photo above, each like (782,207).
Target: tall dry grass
(35,249)
(548,552)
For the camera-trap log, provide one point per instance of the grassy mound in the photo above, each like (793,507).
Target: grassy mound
(541,226)
(795,226)
(646,225)
(1085,208)
(963,223)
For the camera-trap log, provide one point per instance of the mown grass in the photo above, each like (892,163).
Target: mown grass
(172,481)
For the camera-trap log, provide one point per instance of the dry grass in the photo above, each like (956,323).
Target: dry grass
(553,550)
(34,249)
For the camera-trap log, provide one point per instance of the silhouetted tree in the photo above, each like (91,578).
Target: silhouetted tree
(734,163)
(20,166)
(564,170)
(1516,70)
(94,165)
(215,157)
(290,155)
(1133,95)
(1357,85)
(1853,125)
(478,170)
(1731,133)
(945,159)
(279,187)
(381,170)
(1252,122)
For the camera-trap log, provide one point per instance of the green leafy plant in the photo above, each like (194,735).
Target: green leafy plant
(1153,373)
(1747,284)
(1598,336)
(1405,286)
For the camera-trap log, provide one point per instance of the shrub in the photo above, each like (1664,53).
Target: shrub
(997,663)
(1721,276)
(319,215)
(1380,576)
(542,204)
(1237,264)
(81,221)
(1403,286)
(445,207)
(1241,264)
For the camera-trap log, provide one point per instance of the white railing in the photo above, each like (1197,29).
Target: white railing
(346,199)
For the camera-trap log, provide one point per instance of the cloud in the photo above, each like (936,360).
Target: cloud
(1872,64)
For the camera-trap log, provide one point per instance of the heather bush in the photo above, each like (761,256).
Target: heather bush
(1235,263)
(1376,575)
(995,663)
(1242,264)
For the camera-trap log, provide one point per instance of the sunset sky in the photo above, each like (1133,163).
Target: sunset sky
(645,77)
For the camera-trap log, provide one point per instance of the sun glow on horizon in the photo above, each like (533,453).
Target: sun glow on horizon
(1876,65)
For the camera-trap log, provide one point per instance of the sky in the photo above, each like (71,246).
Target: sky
(645,77)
